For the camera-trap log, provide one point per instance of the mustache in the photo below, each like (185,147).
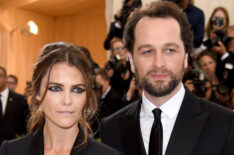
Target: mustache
(159,70)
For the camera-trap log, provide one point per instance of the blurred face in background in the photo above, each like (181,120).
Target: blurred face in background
(220,14)
(183,4)
(230,34)
(120,50)
(208,65)
(11,83)
(3,80)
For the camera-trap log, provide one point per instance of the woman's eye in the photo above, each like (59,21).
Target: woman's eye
(78,90)
(55,88)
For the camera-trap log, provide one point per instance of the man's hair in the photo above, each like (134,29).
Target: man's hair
(159,9)
(3,70)
(207,52)
(14,77)
(103,74)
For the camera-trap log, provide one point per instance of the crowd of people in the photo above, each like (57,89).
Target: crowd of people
(163,59)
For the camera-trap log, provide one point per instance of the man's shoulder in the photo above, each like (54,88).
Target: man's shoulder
(16,146)
(126,111)
(211,107)
(197,10)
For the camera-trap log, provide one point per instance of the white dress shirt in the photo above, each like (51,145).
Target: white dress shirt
(169,114)
(4,98)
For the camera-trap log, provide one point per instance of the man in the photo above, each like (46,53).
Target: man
(12,82)
(195,17)
(230,34)
(109,101)
(13,111)
(159,39)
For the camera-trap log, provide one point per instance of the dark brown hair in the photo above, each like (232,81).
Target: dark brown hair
(56,53)
(103,74)
(207,52)
(159,9)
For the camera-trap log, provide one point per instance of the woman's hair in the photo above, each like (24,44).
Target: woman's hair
(52,54)
(113,41)
(224,10)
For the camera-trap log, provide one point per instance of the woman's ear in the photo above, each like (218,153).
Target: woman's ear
(38,97)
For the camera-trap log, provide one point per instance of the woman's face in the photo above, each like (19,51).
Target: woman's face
(207,64)
(65,97)
(119,49)
(220,14)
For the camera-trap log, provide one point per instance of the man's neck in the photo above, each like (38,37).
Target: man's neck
(2,89)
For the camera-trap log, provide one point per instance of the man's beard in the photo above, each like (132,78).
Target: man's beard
(160,88)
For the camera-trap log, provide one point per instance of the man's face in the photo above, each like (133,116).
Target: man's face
(3,80)
(183,4)
(159,57)
(11,83)
(230,33)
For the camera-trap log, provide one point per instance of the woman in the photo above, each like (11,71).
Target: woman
(207,63)
(219,19)
(118,68)
(62,102)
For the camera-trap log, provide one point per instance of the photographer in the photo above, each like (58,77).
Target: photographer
(216,87)
(118,67)
(117,27)
(196,83)
(218,42)
(230,34)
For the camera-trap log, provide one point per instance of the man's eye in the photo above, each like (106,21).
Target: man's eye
(54,88)
(78,90)
(147,52)
(170,50)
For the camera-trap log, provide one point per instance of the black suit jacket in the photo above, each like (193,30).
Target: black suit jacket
(33,144)
(201,128)
(110,104)
(14,120)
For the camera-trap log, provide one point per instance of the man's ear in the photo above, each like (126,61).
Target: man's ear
(186,60)
(130,57)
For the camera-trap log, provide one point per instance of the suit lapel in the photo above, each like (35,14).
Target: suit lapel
(37,143)
(10,105)
(130,131)
(188,127)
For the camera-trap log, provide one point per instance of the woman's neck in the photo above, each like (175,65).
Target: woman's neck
(58,140)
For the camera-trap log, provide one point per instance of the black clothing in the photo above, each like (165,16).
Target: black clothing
(201,128)
(14,120)
(33,144)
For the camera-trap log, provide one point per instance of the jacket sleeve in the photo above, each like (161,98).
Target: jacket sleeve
(3,148)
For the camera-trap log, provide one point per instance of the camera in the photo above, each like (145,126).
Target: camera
(221,36)
(112,63)
(217,21)
(197,79)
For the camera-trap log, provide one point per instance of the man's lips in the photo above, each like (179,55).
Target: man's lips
(159,76)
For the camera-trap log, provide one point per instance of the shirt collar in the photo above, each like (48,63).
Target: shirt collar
(169,108)
(5,93)
(106,92)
